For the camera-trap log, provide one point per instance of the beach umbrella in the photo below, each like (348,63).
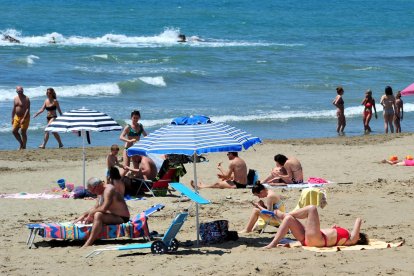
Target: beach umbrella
(83,120)
(193,136)
(408,90)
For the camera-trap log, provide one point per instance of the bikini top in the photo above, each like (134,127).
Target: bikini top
(133,133)
(368,105)
(340,101)
(51,108)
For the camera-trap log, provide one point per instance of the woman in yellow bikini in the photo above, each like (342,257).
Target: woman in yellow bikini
(131,134)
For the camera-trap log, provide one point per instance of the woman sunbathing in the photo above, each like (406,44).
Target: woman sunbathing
(311,233)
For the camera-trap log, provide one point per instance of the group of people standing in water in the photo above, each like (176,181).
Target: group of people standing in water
(393,111)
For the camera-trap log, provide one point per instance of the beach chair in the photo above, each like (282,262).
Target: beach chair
(135,228)
(261,223)
(167,244)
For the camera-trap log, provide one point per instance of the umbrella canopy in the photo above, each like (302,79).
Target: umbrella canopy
(408,90)
(193,136)
(83,120)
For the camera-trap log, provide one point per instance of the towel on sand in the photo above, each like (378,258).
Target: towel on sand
(311,196)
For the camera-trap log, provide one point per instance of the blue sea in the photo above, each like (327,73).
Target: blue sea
(268,67)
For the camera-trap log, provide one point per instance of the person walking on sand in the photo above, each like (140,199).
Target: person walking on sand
(269,200)
(51,104)
(369,104)
(110,208)
(399,112)
(340,110)
(131,134)
(235,177)
(388,103)
(311,234)
(20,117)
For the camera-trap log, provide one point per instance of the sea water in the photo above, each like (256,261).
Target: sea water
(267,67)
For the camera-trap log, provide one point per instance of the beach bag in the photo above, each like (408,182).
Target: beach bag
(214,231)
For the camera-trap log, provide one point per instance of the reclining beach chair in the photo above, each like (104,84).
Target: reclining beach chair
(167,244)
(136,228)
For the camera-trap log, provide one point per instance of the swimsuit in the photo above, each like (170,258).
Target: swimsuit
(294,181)
(304,243)
(388,111)
(238,185)
(125,219)
(133,133)
(341,233)
(16,122)
(368,109)
(51,108)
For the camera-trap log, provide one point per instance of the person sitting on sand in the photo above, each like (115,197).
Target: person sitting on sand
(110,208)
(408,161)
(311,233)
(269,200)
(111,161)
(287,171)
(235,177)
(143,167)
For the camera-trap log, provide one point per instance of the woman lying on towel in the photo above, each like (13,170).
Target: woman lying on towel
(311,233)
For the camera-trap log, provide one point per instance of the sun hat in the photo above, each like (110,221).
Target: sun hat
(393,158)
(408,157)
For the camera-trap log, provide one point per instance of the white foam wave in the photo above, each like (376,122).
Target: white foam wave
(369,68)
(167,37)
(156,81)
(31,59)
(99,89)
(104,56)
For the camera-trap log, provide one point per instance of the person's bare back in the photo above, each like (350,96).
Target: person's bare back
(239,168)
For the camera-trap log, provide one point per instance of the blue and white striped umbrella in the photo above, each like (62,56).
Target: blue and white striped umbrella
(193,136)
(194,139)
(83,120)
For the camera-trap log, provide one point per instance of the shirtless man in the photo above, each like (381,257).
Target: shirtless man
(143,167)
(235,177)
(110,208)
(20,116)
(288,170)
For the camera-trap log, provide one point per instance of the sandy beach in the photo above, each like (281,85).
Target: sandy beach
(381,194)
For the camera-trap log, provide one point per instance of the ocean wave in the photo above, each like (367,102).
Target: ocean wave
(31,59)
(155,81)
(168,37)
(369,68)
(90,90)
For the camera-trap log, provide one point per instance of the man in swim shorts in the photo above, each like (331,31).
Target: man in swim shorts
(110,208)
(20,116)
(234,178)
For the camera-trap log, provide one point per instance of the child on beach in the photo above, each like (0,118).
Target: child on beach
(131,134)
(112,161)
(393,160)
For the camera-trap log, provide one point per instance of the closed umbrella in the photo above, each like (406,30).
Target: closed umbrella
(193,136)
(83,120)
(408,90)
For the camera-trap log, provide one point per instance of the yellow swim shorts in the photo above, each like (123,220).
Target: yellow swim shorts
(16,122)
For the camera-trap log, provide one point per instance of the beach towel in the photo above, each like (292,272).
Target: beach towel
(69,231)
(373,244)
(311,196)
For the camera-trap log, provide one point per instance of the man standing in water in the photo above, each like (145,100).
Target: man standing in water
(21,116)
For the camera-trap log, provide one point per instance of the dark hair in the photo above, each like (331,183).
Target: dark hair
(339,89)
(398,95)
(114,173)
(52,91)
(388,90)
(135,112)
(114,147)
(234,153)
(281,159)
(363,239)
(258,187)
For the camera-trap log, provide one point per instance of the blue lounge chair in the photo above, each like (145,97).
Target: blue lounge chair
(167,244)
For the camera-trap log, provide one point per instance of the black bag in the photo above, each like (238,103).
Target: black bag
(214,231)
(250,177)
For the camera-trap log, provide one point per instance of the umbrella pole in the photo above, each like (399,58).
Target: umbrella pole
(84,157)
(195,188)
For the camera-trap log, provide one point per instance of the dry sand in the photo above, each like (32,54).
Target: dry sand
(381,194)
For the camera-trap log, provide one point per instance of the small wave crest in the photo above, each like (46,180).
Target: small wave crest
(155,81)
(99,89)
(31,59)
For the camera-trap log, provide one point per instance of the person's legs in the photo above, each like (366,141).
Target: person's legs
(367,120)
(126,158)
(16,134)
(288,223)
(343,120)
(218,185)
(57,137)
(253,219)
(45,139)
(24,137)
(390,118)
(99,220)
